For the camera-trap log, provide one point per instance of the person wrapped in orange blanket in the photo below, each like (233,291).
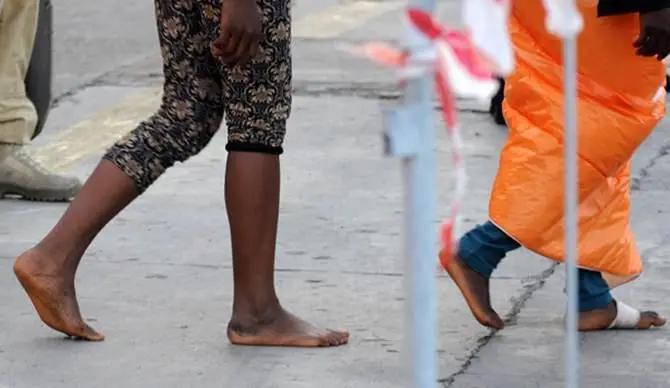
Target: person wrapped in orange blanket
(621,99)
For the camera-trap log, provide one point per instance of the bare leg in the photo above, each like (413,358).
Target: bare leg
(181,128)
(252,199)
(47,271)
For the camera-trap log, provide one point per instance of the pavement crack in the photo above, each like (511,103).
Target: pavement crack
(230,267)
(645,172)
(510,317)
(380,91)
(440,274)
(96,80)
(650,252)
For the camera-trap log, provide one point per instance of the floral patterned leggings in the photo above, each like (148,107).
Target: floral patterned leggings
(198,90)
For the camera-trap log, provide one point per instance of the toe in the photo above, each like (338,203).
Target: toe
(332,339)
(650,319)
(498,323)
(315,342)
(491,319)
(343,338)
(337,338)
(86,332)
(92,335)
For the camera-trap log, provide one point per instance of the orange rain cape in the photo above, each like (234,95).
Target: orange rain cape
(621,99)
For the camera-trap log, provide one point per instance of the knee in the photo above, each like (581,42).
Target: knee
(180,129)
(188,130)
(174,134)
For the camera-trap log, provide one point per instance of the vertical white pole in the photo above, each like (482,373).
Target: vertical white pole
(421,230)
(571,211)
(565,21)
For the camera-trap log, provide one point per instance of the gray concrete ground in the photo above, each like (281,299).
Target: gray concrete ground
(158,280)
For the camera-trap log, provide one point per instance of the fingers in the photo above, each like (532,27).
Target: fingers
(664,49)
(253,47)
(647,45)
(639,42)
(241,55)
(653,42)
(229,42)
(236,47)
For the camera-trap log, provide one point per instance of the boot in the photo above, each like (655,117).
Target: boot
(23,177)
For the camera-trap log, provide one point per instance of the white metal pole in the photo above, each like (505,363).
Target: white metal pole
(421,229)
(571,209)
(565,21)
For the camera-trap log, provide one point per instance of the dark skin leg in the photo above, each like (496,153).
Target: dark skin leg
(601,319)
(47,271)
(475,290)
(252,201)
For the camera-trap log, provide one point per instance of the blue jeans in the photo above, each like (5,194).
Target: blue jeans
(485,246)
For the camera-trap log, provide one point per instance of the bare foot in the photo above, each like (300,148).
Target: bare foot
(53,296)
(475,290)
(284,329)
(602,319)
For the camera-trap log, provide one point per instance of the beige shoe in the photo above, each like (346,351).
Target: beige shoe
(22,176)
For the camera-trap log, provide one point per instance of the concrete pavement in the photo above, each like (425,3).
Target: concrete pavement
(158,280)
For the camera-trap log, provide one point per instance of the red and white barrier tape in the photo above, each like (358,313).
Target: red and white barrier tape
(459,69)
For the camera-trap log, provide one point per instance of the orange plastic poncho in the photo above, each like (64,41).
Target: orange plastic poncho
(621,99)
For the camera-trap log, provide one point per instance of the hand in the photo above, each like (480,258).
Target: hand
(241,31)
(654,39)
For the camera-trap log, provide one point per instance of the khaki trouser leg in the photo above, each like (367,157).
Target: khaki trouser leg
(18,26)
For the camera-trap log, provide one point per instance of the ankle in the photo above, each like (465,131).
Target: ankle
(256,312)
(58,257)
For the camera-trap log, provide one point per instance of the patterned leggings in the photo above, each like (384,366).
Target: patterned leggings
(198,90)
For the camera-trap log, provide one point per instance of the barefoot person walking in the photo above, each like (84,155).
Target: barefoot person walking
(219,56)
(621,99)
